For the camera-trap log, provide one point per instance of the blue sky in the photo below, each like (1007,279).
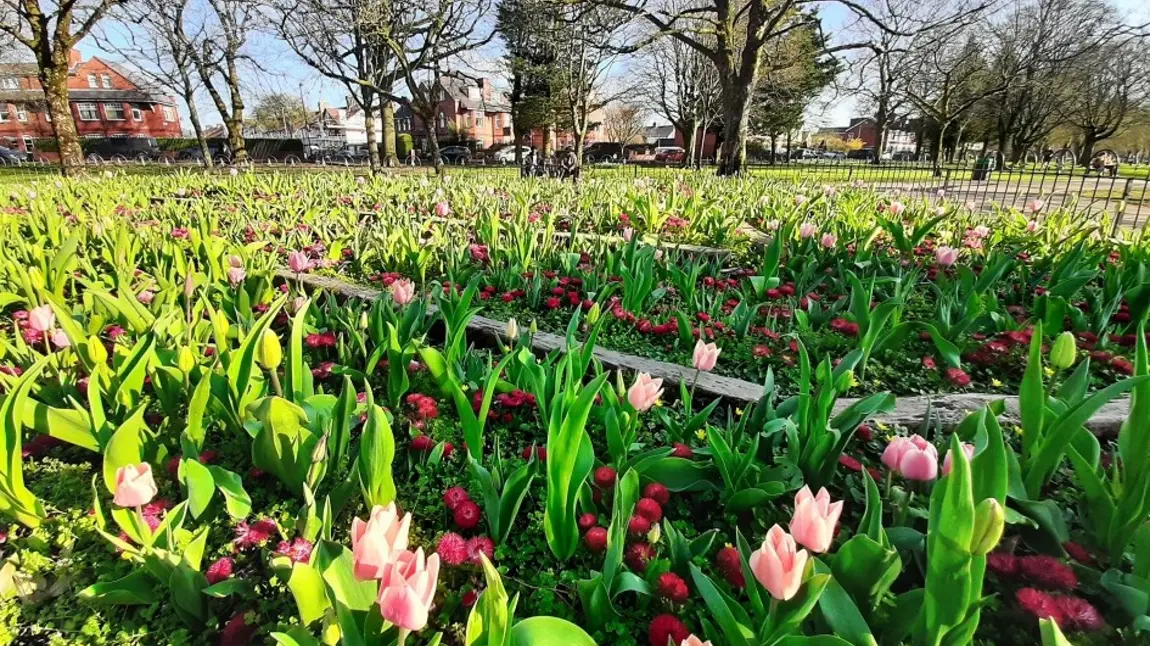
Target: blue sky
(284,73)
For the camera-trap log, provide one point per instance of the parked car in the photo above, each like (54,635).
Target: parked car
(670,154)
(348,155)
(454,154)
(217,149)
(506,154)
(604,152)
(119,149)
(9,157)
(830,154)
(864,154)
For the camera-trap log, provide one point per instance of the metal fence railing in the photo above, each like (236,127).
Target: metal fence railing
(1123,192)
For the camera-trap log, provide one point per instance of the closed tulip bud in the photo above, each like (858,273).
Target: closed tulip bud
(189,285)
(534,328)
(185,360)
(363,321)
(512,329)
(1062,353)
(270,353)
(989,521)
(96,351)
(655,534)
(594,313)
(319,454)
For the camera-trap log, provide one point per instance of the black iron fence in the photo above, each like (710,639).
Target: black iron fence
(1122,191)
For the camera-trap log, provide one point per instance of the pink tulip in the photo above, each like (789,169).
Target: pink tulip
(402,291)
(658,254)
(42,319)
(828,240)
(298,262)
(808,230)
(800,200)
(235,261)
(896,208)
(1034,206)
(628,233)
(145,297)
(1032,226)
(813,524)
(189,285)
(60,338)
(644,392)
(705,356)
(442,209)
(920,451)
(694,641)
(967,448)
(236,276)
(779,564)
(407,590)
(981,231)
(830,191)
(946,256)
(376,543)
(135,486)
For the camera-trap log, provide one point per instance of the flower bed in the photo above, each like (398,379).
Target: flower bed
(198,448)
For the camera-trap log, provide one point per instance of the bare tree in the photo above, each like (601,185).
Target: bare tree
(50,29)
(336,40)
(683,86)
(148,39)
(623,121)
(215,43)
(1105,89)
(589,43)
(735,36)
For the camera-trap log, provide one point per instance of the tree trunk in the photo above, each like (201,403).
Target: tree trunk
(389,157)
(936,149)
(690,135)
(198,128)
(774,148)
(54,80)
(736,112)
(1089,141)
(433,143)
(547,132)
(881,130)
(579,138)
(369,130)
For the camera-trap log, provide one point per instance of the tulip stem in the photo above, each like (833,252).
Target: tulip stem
(276,382)
(691,397)
(773,612)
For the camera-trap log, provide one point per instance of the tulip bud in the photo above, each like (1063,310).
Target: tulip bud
(320,452)
(270,352)
(189,285)
(654,534)
(363,322)
(96,351)
(512,329)
(185,360)
(989,521)
(1062,353)
(534,328)
(594,313)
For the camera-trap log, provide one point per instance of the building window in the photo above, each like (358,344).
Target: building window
(9,83)
(21,113)
(106,80)
(114,111)
(467,120)
(29,144)
(169,113)
(92,83)
(442,121)
(3,113)
(87,112)
(478,119)
(136,114)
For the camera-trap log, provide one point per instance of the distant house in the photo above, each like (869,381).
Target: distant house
(658,135)
(106,101)
(899,138)
(474,113)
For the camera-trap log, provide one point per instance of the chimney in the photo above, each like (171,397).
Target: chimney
(74,57)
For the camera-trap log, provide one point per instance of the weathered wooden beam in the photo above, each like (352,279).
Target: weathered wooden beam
(947,409)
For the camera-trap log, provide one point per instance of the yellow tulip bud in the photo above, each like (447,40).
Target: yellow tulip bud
(185,360)
(270,352)
(654,534)
(1062,353)
(512,329)
(989,521)
(594,313)
(96,350)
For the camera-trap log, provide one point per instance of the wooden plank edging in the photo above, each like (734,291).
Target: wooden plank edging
(948,409)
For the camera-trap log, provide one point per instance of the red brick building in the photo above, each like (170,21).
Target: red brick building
(475,113)
(105,101)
